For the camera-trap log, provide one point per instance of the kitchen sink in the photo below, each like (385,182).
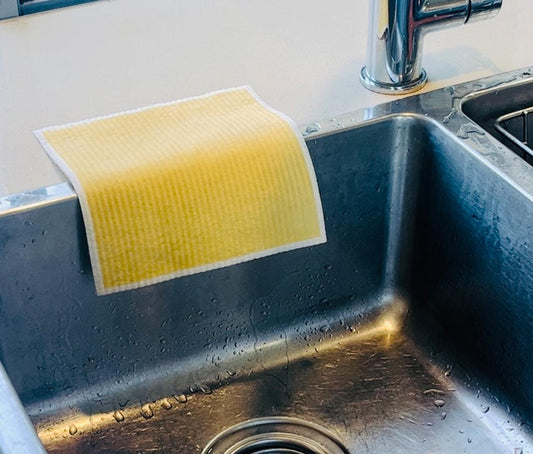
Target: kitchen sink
(505,113)
(410,330)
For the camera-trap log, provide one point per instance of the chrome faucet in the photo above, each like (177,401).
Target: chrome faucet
(396,31)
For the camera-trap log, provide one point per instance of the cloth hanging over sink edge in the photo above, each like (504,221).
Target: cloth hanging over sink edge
(187,186)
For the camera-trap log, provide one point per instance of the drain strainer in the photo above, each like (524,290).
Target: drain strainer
(275,436)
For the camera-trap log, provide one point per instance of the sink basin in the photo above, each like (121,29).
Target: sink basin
(505,113)
(410,330)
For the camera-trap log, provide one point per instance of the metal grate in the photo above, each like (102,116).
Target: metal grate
(518,128)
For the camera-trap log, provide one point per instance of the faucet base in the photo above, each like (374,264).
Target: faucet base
(392,88)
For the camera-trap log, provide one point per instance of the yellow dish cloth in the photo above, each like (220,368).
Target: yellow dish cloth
(188,186)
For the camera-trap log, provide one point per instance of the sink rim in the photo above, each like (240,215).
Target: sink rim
(443,108)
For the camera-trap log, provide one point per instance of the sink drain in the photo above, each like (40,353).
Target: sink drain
(275,436)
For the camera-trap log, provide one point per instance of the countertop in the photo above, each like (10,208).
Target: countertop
(303,57)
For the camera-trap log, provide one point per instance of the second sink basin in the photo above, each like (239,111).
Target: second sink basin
(507,114)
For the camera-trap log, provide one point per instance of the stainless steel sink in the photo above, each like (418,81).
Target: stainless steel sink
(506,113)
(410,330)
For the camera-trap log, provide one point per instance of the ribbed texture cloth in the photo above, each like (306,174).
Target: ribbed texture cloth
(188,186)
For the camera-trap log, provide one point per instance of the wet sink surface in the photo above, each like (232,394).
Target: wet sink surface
(506,114)
(408,331)
(377,392)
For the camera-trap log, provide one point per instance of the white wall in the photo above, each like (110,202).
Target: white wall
(301,56)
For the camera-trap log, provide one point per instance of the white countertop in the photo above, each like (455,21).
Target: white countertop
(303,57)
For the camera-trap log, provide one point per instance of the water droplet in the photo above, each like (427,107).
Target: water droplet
(72,430)
(311,128)
(518,451)
(118,415)
(440,392)
(205,389)
(469,440)
(182,398)
(486,409)
(325,328)
(467,130)
(438,403)
(146,411)
(448,117)
(165,403)
(443,415)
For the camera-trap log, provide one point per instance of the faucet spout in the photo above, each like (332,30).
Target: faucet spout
(396,32)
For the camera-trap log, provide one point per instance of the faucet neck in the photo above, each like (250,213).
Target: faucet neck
(396,31)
